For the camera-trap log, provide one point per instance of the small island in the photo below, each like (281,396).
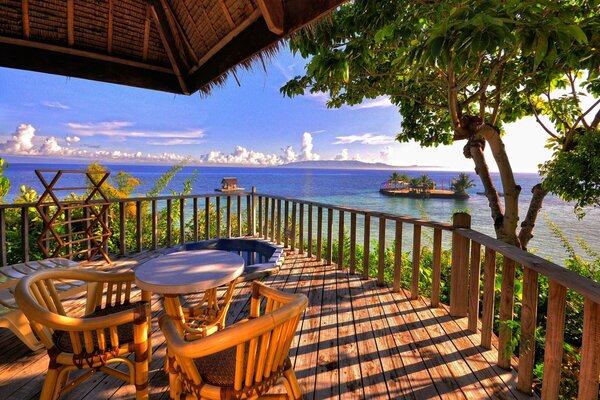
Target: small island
(423,187)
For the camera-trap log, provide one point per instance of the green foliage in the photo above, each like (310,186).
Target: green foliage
(462,183)
(575,175)
(4,182)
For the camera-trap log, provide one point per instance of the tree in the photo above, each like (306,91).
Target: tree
(456,70)
(462,183)
(425,182)
(4,182)
(394,179)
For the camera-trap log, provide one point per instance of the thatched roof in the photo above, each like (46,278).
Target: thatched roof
(178,46)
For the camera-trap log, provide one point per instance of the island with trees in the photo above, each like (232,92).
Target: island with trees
(402,185)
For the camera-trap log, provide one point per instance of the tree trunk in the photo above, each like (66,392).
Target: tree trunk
(537,198)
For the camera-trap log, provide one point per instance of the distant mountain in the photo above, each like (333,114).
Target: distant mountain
(346,164)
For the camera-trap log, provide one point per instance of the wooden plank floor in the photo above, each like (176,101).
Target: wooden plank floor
(356,340)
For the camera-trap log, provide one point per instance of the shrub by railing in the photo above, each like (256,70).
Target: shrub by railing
(476,262)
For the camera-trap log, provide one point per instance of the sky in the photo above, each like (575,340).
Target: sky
(49,116)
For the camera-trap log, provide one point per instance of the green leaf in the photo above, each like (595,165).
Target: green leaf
(541,48)
(577,33)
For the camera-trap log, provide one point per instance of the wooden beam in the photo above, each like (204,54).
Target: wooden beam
(109,38)
(255,38)
(70,22)
(168,41)
(25,18)
(147,27)
(273,13)
(227,14)
(33,56)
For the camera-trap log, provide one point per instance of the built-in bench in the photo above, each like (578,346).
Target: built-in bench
(10,316)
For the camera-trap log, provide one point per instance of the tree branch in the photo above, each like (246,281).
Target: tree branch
(453,97)
(497,97)
(471,76)
(539,121)
(535,205)
(547,94)
(496,66)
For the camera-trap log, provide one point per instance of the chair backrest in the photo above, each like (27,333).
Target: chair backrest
(261,343)
(37,296)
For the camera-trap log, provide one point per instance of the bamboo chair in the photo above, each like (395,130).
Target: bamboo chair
(109,329)
(242,361)
(208,315)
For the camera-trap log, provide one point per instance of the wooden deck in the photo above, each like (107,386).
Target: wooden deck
(356,340)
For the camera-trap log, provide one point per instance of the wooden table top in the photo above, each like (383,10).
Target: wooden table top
(188,271)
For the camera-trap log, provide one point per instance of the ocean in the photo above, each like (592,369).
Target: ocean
(357,188)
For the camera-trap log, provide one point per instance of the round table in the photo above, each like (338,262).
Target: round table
(191,271)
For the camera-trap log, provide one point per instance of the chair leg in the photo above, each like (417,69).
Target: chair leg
(291,384)
(175,387)
(18,324)
(49,390)
(140,340)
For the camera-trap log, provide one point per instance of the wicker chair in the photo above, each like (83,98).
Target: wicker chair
(243,360)
(109,329)
(208,315)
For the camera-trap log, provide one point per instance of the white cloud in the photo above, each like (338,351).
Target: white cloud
(307,148)
(343,156)
(378,102)
(123,129)
(55,104)
(21,141)
(173,142)
(367,138)
(72,139)
(289,155)
(241,155)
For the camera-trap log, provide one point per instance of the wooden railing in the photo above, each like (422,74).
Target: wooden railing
(312,228)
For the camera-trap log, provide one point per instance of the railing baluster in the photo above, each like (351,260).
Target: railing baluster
(367,246)
(3,248)
(273,220)
(286,216)
(238,216)
(319,233)
(293,228)
(260,217)
(122,229)
(398,256)
(88,244)
(251,228)
(169,223)
(416,262)
(489,285)
(195,218)
(474,286)
(555,332)
(207,217)
(138,226)
(218,218)
(278,221)
(436,273)
(528,326)
(381,254)
(301,230)
(340,256)
(154,225)
(228,217)
(25,232)
(329,253)
(181,221)
(310,230)
(353,243)
(590,352)
(507,299)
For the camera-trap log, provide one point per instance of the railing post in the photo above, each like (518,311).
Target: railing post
(122,228)
(3,258)
(252,230)
(459,282)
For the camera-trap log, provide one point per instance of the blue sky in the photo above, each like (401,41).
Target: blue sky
(66,118)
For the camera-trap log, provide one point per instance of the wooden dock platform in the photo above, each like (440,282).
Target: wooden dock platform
(356,340)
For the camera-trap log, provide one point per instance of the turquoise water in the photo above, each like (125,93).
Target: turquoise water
(357,188)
